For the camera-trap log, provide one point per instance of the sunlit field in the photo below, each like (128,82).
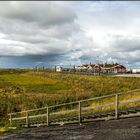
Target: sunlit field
(26,90)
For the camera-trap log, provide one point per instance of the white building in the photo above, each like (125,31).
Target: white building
(136,70)
(58,68)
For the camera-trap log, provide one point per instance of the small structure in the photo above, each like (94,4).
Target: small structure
(136,70)
(58,68)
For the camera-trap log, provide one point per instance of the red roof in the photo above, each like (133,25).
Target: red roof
(105,65)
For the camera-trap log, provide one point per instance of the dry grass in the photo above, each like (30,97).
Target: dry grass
(21,91)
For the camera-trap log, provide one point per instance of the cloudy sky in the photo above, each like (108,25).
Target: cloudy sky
(67,33)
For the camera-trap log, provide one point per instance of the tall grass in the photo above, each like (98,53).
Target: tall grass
(21,91)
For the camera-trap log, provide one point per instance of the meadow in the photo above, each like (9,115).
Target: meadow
(27,90)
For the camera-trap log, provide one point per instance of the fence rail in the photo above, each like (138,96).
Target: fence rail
(79,110)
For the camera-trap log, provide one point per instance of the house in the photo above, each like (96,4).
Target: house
(113,68)
(88,68)
(58,68)
(102,68)
(118,69)
(82,68)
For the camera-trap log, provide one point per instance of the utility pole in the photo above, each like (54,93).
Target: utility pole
(55,68)
(43,68)
(74,68)
(99,65)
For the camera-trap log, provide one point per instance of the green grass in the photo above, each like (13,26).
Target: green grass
(26,90)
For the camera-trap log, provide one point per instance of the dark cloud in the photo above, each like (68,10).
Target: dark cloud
(30,60)
(125,44)
(36,28)
(43,13)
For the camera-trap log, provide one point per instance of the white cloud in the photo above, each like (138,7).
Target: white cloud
(71,31)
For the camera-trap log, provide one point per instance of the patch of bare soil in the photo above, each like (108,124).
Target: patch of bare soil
(129,75)
(124,129)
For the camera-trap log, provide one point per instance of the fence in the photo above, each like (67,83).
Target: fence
(78,110)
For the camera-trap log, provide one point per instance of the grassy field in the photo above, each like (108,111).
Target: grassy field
(26,90)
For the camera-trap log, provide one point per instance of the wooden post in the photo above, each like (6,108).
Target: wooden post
(47,116)
(116,105)
(27,119)
(10,119)
(79,112)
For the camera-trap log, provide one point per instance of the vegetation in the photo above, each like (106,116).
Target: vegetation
(20,90)
(6,129)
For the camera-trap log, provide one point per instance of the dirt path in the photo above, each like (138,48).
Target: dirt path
(129,75)
(124,129)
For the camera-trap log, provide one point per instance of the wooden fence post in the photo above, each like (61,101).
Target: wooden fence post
(116,106)
(10,119)
(27,119)
(79,112)
(47,116)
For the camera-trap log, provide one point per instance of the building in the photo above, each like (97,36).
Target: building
(102,68)
(136,70)
(82,68)
(119,69)
(58,68)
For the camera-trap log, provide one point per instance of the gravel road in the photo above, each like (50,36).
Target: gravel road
(124,129)
(129,75)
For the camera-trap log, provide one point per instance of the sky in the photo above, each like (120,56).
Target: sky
(49,33)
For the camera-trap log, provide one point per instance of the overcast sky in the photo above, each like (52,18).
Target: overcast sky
(67,33)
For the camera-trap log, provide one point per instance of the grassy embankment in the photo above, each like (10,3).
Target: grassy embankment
(21,91)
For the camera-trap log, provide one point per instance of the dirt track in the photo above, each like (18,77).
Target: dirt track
(129,75)
(124,129)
